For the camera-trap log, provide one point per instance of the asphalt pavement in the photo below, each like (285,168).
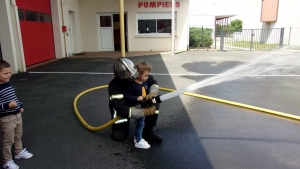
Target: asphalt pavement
(198,133)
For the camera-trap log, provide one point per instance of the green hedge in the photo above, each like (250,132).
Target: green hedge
(196,37)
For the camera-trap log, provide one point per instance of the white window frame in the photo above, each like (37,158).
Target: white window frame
(154,16)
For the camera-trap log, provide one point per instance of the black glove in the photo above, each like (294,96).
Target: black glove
(153,101)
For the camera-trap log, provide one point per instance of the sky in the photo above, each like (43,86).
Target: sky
(248,11)
(215,7)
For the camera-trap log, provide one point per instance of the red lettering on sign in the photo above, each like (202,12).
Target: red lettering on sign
(146,4)
(152,4)
(168,4)
(140,4)
(158,4)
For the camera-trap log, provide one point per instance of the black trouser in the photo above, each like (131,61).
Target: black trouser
(150,121)
(120,130)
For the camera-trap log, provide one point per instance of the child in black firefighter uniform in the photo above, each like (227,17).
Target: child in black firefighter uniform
(124,74)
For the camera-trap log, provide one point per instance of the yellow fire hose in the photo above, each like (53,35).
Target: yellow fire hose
(109,123)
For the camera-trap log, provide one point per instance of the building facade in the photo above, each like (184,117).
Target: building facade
(35,31)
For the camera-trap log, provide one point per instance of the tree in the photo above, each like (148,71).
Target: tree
(199,38)
(236,25)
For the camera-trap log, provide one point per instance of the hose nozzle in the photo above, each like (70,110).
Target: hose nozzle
(148,103)
(156,99)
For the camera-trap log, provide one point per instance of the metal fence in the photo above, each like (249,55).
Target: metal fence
(257,39)
(292,37)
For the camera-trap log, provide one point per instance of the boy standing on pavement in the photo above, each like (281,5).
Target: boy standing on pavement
(10,120)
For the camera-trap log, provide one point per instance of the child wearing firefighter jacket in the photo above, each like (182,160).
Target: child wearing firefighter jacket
(124,72)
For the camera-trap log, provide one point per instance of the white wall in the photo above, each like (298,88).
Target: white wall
(289,19)
(61,40)
(288,14)
(57,30)
(90,9)
(88,20)
(147,43)
(73,6)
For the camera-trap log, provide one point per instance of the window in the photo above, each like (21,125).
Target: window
(32,16)
(105,21)
(164,26)
(147,26)
(45,17)
(21,15)
(155,23)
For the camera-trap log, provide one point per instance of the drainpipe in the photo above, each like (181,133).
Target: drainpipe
(188,27)
(122,35)
(63,24)
(173,27)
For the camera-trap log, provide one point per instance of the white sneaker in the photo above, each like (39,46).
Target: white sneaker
(142,144)
(10,165)
(23,154)
(134,140)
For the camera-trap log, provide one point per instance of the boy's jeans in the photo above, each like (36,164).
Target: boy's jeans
(11,127)
(139,129)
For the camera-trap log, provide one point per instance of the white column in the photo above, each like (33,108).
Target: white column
(57,23)
(10,36)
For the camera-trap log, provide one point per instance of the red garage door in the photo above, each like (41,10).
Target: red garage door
(36,30)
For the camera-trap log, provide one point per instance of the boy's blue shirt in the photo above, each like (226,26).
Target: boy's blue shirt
(134,91)
(117,86)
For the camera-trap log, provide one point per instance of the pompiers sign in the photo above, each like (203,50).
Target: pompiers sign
(157,4)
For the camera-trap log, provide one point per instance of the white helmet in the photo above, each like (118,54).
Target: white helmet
(124,68)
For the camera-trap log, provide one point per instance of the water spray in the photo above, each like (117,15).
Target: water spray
(267,64)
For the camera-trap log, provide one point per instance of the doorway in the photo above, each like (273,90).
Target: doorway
(109,37)
(71,33)
(117,36)
(106,36)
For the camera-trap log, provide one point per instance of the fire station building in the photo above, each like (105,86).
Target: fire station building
(35,31)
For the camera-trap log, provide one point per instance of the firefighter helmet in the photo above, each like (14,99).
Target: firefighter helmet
(124,68)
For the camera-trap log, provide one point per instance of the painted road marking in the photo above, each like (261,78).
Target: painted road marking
(165,74)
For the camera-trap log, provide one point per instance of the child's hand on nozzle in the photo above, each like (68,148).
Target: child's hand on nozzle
(140,98)
(150,96)
(12,104)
